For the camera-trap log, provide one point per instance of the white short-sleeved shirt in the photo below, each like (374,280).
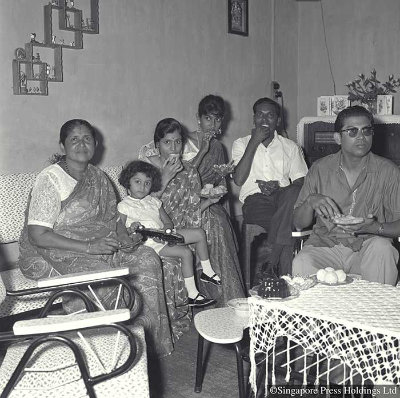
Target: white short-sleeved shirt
(146,211)
(282,161)
(51,187)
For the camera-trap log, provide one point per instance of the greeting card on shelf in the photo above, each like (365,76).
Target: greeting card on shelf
(384,105)
(329,105)
(339,102)
(324,106)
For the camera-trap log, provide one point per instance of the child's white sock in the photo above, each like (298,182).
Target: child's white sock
(191,287)
(207,269)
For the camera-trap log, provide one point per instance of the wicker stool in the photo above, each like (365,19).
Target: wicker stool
(221,326)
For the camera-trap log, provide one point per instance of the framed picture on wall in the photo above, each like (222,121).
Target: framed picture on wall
(238,17)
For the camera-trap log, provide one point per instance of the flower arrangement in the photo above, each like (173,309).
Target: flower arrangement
(366,89)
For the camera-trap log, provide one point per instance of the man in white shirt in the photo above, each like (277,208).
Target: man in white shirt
(270,170)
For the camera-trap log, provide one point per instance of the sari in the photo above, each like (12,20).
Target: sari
(184,210)
(90,212)
(220,233)
(181,200)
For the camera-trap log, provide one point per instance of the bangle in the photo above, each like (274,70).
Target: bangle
(380,229)
(88,248)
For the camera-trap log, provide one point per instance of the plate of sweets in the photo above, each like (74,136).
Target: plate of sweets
(330,276)
(347,220)
(224,169)
(300,282)
(211,192)
(274,288)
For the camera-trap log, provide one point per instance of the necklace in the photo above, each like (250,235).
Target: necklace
(198,139)
(66,166)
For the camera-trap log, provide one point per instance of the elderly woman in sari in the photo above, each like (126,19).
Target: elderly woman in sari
(180,194)
(71,226)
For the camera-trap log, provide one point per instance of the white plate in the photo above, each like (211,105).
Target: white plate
(213,196)
(294,292)
(239,304)
(348,280)
(308,283)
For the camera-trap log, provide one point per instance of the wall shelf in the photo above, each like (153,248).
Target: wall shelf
(48,29)
(85,24)
(24,82)
(56,70)
(31,70)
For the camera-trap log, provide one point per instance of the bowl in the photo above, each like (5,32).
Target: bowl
(240,305)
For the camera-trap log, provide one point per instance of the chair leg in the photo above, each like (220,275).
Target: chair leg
(239,361)
(246,261)
(199,365)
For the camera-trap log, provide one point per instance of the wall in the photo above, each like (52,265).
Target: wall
(152,59)
(285,59)
(361,35)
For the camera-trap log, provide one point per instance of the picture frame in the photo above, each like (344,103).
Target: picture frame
(238,17)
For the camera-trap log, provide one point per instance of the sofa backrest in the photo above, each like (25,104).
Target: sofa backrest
(14,193)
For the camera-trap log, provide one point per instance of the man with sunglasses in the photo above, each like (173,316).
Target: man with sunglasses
(352,182)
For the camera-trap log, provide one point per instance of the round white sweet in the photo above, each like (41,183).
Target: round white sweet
(341,275)
(331,277)
(321,275)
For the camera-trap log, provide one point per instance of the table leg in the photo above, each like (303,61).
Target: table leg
(239,361)
(199,365)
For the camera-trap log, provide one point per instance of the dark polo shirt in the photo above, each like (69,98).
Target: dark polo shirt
(376,191)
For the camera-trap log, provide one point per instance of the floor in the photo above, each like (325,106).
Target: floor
(174,375)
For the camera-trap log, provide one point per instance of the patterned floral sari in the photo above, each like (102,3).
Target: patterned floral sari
(220,234)
(181,201)
(90,212)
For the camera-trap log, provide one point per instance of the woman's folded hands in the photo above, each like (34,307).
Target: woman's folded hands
(107,245)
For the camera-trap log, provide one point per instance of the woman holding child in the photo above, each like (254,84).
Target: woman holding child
(180,193)
(71,226)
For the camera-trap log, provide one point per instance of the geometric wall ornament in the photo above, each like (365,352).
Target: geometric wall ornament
(41,62)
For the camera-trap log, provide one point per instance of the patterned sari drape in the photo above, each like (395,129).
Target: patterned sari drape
(181,201)
(90,212)
(220,234)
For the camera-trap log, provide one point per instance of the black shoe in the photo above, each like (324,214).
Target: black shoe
(200,301)
(210,279)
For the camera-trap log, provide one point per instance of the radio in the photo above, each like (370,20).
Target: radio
(315,136)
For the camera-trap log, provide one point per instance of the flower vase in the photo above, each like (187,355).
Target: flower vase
(371,105)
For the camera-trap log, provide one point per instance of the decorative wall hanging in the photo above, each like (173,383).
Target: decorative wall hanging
(32,71)
(238,17)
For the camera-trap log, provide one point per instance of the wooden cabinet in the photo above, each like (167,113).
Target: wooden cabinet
(315,135)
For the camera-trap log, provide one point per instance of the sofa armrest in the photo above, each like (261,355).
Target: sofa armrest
(82,277)
(70,322)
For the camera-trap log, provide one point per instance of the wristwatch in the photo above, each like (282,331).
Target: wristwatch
(380,229)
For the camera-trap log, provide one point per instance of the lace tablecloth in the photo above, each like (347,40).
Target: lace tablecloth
(357,323)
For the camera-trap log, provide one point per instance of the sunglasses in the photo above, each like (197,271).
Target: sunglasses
(353,131)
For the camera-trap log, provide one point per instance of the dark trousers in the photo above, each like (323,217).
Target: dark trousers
(275,214)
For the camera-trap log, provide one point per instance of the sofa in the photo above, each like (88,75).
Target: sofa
(14,193)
